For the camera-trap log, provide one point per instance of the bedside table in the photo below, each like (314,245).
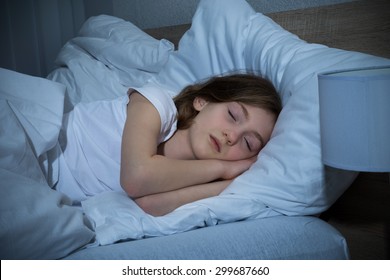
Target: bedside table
(362,215)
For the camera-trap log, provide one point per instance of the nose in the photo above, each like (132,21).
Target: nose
(231,137)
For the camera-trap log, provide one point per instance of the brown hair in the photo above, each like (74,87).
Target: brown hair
(244,88)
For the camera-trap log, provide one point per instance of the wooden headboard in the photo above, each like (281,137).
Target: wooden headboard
(362,26)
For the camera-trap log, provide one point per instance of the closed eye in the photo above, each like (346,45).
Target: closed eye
(231,115)
(248,144)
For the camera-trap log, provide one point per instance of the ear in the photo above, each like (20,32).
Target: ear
(199,103)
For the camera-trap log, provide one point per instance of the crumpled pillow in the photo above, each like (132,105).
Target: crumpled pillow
(121,44)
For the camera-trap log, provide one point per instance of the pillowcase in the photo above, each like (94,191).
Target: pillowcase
(36,222)
(212,46)
(288,176)
(119,43)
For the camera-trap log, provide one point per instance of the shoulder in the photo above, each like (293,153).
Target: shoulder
(162,101)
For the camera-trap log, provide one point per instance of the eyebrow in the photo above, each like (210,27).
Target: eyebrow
(257,135)
(244,110)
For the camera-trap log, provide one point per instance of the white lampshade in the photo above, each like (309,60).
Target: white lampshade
(355,119)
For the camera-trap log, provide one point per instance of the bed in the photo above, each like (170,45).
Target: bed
(269,212)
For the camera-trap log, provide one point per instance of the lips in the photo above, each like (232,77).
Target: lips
(215,143)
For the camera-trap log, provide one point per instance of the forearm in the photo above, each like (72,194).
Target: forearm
(163,203)
(160,174)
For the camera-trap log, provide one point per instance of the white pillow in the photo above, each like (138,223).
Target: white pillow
(213,45)
(228,36)
(121,44)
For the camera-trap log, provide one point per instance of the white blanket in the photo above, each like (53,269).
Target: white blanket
(36,222)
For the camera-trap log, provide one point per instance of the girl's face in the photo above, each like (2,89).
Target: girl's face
(229,131)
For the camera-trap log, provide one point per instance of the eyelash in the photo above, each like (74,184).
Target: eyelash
(232,116)
(247,144)
(246,141)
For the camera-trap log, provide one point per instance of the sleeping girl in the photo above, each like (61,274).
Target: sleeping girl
(166,152)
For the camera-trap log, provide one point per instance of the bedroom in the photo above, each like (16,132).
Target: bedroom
(35,44)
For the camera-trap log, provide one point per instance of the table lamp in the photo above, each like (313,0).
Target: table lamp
(355,119)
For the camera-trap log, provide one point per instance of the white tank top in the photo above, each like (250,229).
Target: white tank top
(91,142)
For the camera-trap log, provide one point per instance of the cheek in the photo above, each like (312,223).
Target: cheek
(237,153)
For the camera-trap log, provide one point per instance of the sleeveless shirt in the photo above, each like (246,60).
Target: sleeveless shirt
(91,142)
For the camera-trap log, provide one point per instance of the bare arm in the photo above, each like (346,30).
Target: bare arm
(163,203)
(143,172)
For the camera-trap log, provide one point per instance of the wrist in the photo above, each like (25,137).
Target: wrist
(221,169)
